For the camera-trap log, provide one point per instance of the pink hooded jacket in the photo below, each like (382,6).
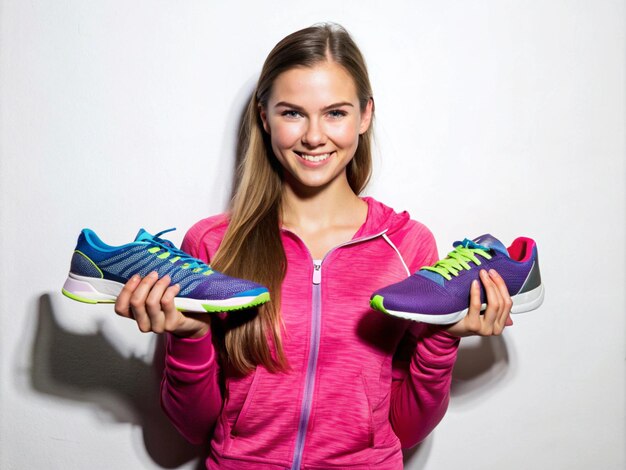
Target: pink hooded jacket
(362,384)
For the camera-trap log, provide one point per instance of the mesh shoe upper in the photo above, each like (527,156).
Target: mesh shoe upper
(148,253)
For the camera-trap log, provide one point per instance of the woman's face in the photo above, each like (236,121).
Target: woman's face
(314,120)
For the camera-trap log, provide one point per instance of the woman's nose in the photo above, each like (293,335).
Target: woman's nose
(314,134)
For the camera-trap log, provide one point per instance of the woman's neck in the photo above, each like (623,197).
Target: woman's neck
(323,217)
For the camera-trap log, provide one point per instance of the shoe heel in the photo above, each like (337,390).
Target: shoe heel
(83,291)
(528,301)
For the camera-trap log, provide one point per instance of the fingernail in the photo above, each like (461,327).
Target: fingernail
(134,278)
(474,284)
(493,272)
(153,274)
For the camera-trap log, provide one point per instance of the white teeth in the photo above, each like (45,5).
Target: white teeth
(314,158)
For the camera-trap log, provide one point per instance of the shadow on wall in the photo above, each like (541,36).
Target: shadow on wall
(86,368)
(480,365)
(482,362)
(416,457)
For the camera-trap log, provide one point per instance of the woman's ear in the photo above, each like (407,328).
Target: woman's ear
(263,116)
(366,116)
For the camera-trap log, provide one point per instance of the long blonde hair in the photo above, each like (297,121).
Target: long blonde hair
(252,247)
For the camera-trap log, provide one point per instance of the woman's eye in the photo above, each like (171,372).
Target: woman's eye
(290,113)
(336,113)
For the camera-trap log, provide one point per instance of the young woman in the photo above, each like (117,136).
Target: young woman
(315,379)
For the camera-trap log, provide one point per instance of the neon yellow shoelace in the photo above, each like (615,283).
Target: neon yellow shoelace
(457,261)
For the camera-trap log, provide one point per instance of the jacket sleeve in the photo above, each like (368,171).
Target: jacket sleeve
(190,389)
(423,362)
(420,390)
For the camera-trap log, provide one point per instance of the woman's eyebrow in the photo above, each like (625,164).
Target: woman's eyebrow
(339,104)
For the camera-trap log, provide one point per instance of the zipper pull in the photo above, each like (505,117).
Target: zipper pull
(317,273)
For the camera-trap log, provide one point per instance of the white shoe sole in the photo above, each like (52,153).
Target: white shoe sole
(524,302)
(93,290)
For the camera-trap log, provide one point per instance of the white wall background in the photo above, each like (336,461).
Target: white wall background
(492,116)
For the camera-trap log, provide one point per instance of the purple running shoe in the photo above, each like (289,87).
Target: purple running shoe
(439,294)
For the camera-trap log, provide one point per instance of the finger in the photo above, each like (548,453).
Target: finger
(473,320)
(122,303)
(494,303)
(172,317)
(153,304)
(503,315)
(138,301)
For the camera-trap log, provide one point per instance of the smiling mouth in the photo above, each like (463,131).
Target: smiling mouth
(314,158)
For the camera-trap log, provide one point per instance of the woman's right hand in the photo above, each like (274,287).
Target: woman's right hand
(150,302)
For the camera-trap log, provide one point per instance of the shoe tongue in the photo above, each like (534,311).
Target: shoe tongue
(433,276)
(143,236)
(486,242)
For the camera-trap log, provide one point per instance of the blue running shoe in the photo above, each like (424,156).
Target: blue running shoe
(439,294)
(99,271)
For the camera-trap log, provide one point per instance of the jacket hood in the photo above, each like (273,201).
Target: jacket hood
(382,218)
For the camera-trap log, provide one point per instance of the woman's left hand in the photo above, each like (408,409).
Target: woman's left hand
(497,314)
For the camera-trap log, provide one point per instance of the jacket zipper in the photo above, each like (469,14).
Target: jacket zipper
(309,382)
(316,321)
